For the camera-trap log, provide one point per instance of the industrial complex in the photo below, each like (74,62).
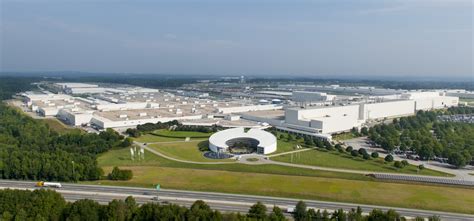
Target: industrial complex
(295,109)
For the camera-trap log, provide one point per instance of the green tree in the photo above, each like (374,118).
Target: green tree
(85,209)
(276,214)
(7,216)
(127,142)
(200,211)
(457,160)
(364,131)
(349,149)
(366,156)
(325,215)
(355,215)
(118,174)
(405,163)
(388,158)
(339,215)
(421,167)
(300,211)
(21,215)
(398,164)
(354,153)
(434,218)
(258,211)
(374,155)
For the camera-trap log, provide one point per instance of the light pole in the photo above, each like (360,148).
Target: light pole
(73,172)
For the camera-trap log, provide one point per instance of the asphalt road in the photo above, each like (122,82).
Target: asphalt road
(219,201)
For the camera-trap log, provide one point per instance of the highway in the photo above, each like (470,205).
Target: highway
(218,201)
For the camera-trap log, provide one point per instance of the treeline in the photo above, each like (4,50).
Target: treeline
(29,149)
(393,84)
(49,205)
(9,86)
(170,125)
(460,110)
(427,137)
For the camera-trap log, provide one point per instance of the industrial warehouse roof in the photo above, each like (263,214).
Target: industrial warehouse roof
(264,138)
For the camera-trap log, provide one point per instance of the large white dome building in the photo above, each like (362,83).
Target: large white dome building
(263,141)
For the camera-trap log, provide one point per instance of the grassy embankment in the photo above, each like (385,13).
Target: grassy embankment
(274,180)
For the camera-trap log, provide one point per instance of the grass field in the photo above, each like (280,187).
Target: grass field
(334,159)
(343,190)
(276,180)
(59,126)
(121,157)
(344,136)
(186,151)
(284,146)
(181,134)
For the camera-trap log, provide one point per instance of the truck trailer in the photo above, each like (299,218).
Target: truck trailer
(48,184)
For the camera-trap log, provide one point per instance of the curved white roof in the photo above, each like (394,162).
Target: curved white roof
(265,138)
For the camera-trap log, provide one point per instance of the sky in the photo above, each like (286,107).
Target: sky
(393,38)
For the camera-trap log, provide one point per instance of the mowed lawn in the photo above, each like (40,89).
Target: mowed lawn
(186,151)
(284,146)
(121,157)
(334,159)
(429,197)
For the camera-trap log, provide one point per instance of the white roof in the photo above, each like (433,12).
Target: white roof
(220,138)
(77,85)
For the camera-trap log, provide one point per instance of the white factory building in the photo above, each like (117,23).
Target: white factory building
(263,141)
(310,97)
(132,106)
(335,119)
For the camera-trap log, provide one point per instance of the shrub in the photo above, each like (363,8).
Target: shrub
(398,164)
(366,156)
(421,166)
(405,163)
(388,158)
(354,153)
(118,174)
(362,151)
(127,142)
(329,147)
(349,149)
(374,155)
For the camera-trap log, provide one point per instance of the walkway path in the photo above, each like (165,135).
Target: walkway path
(290,152)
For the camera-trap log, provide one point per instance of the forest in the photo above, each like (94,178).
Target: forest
(428,137)
(43,204)
(30,150)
